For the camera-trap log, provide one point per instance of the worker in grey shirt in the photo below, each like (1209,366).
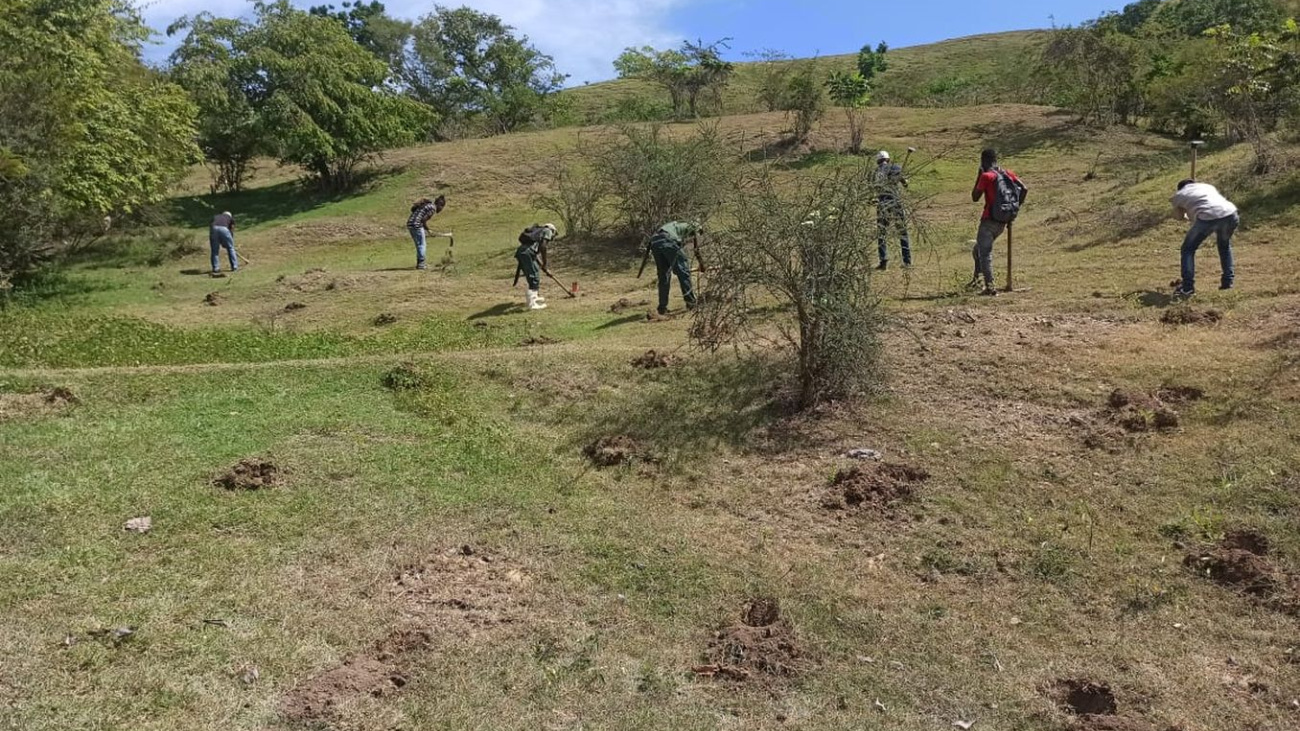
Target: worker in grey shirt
(221,235)
(1210,213)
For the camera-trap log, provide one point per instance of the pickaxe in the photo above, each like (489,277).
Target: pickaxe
(1196,146)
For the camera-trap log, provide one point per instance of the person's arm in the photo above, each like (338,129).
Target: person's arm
(232,225)
(978,192)
(1180,211)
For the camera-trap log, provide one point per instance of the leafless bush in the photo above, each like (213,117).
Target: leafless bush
(577,198)
(794,266)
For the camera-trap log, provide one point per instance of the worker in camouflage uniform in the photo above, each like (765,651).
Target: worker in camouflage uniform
(890,210)
(531,256)
(668,246)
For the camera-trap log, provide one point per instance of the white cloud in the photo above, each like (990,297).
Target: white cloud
(583,36)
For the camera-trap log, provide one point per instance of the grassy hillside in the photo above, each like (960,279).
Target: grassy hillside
(435,551)
(981,69)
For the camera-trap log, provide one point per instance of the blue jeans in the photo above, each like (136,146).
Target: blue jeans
(892,212)
(1223,229)
(219,237)
(670,260)
(418,235)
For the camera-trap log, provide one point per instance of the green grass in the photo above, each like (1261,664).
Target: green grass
(1027,557)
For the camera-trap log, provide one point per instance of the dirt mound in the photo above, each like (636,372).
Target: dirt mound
(1137,412)
(624,304)
(378,673)
(317,280)
(1179,394)
(213,299)
(762,645)
(652,360)
(1085,697)
(404,377)
(534,340)
(613,451)
(384,318)
(1113,723)
(250,474)
(60,396)
(294,307)
(1190,316)
(876,487)
(1240,562)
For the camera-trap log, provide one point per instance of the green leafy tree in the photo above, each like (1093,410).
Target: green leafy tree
(852,93)
(469,66)
(688,73)
(805,99)
(1096,72)
(322,96)
(873,62)
(88,133)
(213,67)
(1258,75)
(373,28)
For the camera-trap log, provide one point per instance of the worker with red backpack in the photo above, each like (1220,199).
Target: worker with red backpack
(1003,194)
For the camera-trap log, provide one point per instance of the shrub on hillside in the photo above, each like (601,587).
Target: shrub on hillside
(805,246)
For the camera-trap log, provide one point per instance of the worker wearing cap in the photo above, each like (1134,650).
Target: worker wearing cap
(668,246)
(531,256)
(1210,213)
(221,235)
(889,186)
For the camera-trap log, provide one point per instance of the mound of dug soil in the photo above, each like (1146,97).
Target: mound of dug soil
(534,340)
(1241,562)
(762,645)
(875,487)
(1191,316)
(60,396)
(384,318)
(377,673)
(1138,412)
(213,299)
(294,307)
(250,474)
(624,304)
(652,360)
(612,451)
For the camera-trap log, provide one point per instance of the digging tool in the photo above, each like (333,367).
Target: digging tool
(1010,286)
(1196,147)
(644,260)
(557,281)
(518,271)
(908,157)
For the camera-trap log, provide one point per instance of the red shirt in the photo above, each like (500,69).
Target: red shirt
(987,185)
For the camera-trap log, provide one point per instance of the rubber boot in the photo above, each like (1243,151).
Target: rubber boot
(540,298)
(533,304)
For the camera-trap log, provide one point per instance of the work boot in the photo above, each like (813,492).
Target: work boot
(421,265)
(883,266)
(533,304)
(540,298)
(989,292)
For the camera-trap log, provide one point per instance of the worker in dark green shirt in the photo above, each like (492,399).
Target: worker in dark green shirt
(668,246)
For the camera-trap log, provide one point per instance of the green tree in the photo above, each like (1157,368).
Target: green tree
(872,63)
(687,73)
(322,96)
(470,67)
(87,131)
(373,28)
(213,67)
(1096,72)
(1258,75)
(805,99)
(851,92)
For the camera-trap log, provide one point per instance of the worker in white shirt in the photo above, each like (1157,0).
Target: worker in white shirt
(1210,213)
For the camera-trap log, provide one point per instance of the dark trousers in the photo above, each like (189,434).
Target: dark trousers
(891,212)
(989,232)
(532,272)
(1223,229)
(671,260)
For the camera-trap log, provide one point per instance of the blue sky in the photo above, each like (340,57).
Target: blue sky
(584,36)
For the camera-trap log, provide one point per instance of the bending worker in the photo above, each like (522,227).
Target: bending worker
(531,256)
(1210,213)
(221,235)
(668,246)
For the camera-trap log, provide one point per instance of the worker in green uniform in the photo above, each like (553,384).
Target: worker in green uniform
(668,246)
(531,256)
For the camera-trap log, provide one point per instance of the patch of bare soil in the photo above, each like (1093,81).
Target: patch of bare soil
(60,396)
(457,593)
(1137,412)
(1241,562)
(875,488)
(1084,697)
(378,673)
(652,360)
(1191,316)
(534,340)
(384,318)
(624,304)
(317,280)
(294,307)
(25,405)
(213,299)
(612,451)
(762,646)
(250,474)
